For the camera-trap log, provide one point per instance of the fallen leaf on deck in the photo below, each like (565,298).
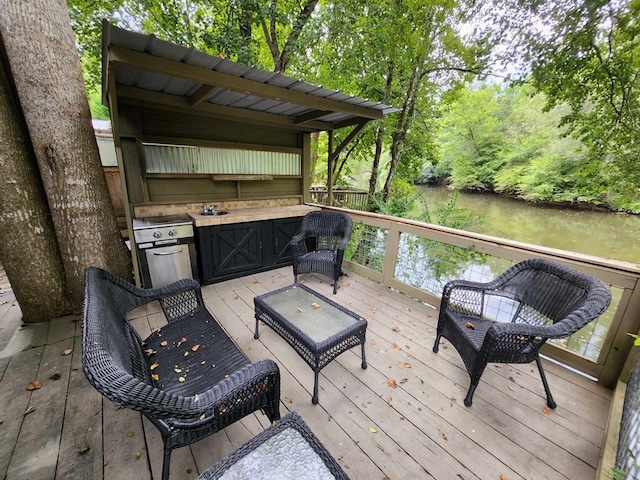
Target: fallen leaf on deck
(373,309)
(186,354)
(404,380)
(138,455)
(396,346)
(512,379)
(546,410)
(373,342)
(255,282)
(470,325)
(315,305)
(55,376)
(503,477)
(35,385)
(407,365)
(236,297)
(154,366)
(395,329)
(196,398)
(180,342)
(202,416)
(299,310)
(181,379)
(164,343)
(373,430)
(413,323)
(288,399)
(131,434)
(203,362)
(400,365)
(149,352)
(82,448)
(195,348)
(29,410)
(177,370)
(444,437)
(68,351)
(392,383)
(155,377)
(390,402)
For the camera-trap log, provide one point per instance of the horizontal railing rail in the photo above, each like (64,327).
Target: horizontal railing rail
(417,258)
(342,197)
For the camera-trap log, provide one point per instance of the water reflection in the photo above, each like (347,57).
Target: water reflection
(604,234)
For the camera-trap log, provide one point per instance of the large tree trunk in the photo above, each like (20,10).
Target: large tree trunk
(28,249)
(45,67)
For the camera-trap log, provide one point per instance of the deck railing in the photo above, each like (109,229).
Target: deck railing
(417,259)
(342,197)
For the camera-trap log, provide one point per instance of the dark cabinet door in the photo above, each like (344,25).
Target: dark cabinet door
(229,250)
(283,230)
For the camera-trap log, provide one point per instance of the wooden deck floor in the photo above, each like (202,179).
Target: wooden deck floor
(420,429)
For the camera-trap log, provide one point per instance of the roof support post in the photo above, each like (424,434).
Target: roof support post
(330,159)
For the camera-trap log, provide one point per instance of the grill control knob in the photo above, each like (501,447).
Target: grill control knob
(157,234)
(172,233)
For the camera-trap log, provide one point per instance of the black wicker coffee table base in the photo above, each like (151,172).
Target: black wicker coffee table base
(316,327)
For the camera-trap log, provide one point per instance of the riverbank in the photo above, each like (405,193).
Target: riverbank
(599,232)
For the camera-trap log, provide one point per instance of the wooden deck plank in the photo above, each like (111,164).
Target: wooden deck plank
(82,427)
(14,400)
(422,428)
(36,451)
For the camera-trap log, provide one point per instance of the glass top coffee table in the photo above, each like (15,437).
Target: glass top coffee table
(316,327)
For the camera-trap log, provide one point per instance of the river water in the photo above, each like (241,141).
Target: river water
(604,234)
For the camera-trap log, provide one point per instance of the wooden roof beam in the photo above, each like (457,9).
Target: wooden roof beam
(164,66)
(166,101)
(202,94)
(311,116)
(333,155)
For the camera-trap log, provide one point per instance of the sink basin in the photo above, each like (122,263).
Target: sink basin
(214,213)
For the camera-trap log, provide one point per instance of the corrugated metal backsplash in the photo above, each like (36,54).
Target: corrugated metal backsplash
(190,159)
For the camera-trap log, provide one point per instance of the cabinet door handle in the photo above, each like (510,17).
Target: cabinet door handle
(168,253)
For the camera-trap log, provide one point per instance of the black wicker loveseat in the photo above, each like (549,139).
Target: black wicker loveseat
(188,378)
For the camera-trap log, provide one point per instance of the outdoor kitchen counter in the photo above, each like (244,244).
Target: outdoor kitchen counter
(250,215)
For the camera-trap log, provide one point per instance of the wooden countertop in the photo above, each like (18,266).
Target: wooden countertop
(250,215)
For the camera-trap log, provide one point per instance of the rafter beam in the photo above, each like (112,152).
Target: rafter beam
(202,94)
(333,155)
(164,66)
(311,116)
(178,103)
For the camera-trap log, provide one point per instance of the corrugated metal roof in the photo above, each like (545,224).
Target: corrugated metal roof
(167,68)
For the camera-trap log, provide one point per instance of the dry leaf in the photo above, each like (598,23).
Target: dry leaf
(315,305)
(470,325)
(164,343)
(154,366)
(203,362)
(29,410)
(186,354)
(195,348)
(181,379)
(181,341)
(155,377)
(400,365)
(177,370)
(373,430)
(546,410)
(404,380)
(299,310)
(138,455)
(55,376)
(444,437)
(373,309)
(288,399)
(35,385)
(396,346)
(149,351)
(202,416)
(392,383)
(196,398)
(82,448)
(255,282)
(503,477)
(68,351)
(390,402)
(512,379)
(407,365)
(373,342)
(395,329)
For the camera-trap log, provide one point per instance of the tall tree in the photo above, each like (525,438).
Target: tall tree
(28,249)
(44,64)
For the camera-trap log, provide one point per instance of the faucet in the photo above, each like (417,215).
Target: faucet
(209,210)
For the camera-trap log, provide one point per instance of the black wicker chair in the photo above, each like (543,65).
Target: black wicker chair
(188,378)
(540,299)
(319,244)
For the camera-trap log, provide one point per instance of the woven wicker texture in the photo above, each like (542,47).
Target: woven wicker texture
(302,456)
(187,397)
(628,456)
(533,301)
(320,243)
